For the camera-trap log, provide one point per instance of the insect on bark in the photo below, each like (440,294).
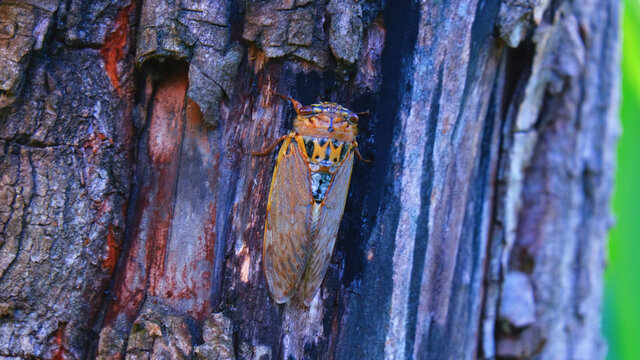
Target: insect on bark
(307,197)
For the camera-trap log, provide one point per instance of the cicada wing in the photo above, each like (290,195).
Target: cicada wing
(285,239)
(321,247)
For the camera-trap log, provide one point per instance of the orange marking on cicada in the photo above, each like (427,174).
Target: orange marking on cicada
(319,151)
(334,155)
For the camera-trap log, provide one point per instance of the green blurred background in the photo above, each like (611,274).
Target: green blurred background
(622,294)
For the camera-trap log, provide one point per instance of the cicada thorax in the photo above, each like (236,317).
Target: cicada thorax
(324,156)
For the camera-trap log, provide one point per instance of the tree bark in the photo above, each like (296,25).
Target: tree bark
(132,211)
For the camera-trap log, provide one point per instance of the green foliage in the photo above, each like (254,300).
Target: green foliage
(622,295)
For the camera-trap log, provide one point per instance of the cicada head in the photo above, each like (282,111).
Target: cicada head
(326,120)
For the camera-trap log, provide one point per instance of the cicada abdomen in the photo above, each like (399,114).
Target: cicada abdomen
(307,197)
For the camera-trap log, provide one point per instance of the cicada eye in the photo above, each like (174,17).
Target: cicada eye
(305,111)
(353,118)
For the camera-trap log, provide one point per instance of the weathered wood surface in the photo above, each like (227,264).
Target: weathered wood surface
(133,213)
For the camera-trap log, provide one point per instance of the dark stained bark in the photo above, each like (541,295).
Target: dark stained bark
(132,211)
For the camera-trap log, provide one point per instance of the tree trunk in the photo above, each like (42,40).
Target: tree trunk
(132,211)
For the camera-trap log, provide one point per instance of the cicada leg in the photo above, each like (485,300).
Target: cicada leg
(268,150)
(360,156)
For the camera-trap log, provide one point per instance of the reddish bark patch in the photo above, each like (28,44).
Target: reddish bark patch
(183,279)
(196,129)
(113,250)
(144,266)
(156,249)
(113,49)
(129,289)
(103,207)
(96,143)
(165,125)
(202,276)
(194,114)
(210,234)
(59,345)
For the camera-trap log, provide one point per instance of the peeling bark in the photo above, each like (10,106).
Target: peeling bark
(132,212)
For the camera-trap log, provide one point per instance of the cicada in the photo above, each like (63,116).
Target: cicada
(307,197)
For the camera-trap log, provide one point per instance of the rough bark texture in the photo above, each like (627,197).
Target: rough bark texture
(132,212)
